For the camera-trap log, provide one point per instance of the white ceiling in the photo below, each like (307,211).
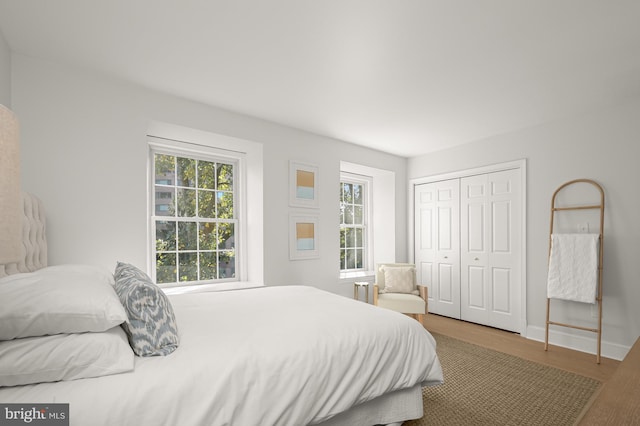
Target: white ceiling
(403,76)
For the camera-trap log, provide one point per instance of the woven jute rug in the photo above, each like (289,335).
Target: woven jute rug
(485,387)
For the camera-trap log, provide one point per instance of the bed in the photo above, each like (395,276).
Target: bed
(282,355)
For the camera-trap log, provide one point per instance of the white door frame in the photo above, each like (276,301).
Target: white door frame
(517,164)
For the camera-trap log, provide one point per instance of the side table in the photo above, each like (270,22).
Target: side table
(356,290)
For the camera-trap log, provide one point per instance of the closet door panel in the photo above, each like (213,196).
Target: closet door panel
(504,257)
(476,287)
(445,283)
(426,229)
(437,247)
(425,274)
(474,232)
(475,223)
(501,291)
(501,227)
(425,245)
(445,229)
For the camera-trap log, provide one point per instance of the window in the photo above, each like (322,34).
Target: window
(379,216)
(247,180)
(194,219)
(354,223)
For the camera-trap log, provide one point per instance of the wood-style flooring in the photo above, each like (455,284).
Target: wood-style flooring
(514,344)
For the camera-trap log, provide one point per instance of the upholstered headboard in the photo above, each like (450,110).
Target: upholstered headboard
(34,240)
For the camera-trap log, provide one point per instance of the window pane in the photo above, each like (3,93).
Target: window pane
(359,259)
(347,193)
(165,166)
(225,205)
(165,235)
(208,266)
(343,259)
(227,264)
(351,261)
(350,238)
(348,215)
(187,236)
(188,266)
(357,194)
(358,240)
(341,213)
(186,172)
(206,175)
(207,235)
(225,177)
(165,201)
(186,202)
(206,204)
(225,236)
(166,268)
(357,215)
(343,237)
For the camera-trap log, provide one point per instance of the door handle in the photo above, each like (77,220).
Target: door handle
(476,259)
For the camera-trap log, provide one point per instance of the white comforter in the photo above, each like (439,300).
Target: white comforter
(268,356)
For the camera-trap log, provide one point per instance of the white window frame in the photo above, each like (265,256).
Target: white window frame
(382,215)
(207,153)
(367,183)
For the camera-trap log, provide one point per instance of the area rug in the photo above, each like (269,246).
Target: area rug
(485,387)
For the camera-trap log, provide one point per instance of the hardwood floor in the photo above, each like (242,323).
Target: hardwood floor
(618,402)
(514,344)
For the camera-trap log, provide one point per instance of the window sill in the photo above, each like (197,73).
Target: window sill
(200,288)
(350,276)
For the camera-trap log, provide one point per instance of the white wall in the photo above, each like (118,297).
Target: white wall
(5,73)
(602,145)
(84,153)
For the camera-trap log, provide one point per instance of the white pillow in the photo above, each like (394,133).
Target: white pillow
(400,279)
(58,299)
(64,357)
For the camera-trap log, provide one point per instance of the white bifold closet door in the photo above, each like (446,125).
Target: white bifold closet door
(467,247)
(437,244)
(490,244)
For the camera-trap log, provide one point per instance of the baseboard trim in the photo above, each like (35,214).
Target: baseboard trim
(578,343)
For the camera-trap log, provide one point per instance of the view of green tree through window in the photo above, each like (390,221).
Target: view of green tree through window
(352,226)
(194,218)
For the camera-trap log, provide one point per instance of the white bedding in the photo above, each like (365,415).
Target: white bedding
(268,356)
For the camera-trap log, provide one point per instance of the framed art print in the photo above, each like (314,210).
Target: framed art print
(303,185)
(303,237)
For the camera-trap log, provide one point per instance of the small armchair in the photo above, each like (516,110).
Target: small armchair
(401,293)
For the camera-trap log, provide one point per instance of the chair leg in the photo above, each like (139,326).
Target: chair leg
(421,318)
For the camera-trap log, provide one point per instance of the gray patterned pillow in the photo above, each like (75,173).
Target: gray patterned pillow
(151,326)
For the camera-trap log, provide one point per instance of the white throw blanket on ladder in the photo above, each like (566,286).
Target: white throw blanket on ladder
(573,267)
